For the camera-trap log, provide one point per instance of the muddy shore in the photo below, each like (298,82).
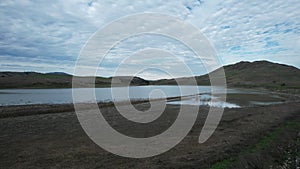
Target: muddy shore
(50,136)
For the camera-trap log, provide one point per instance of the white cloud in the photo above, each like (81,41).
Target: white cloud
(48,35)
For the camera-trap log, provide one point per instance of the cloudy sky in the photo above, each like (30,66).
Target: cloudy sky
(47,36)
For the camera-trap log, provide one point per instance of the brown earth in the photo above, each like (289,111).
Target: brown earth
(56,140)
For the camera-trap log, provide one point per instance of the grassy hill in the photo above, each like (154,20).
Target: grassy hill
(243,74)
(262,74)
(251,74)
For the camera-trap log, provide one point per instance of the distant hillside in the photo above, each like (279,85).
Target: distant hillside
(252,74)
(243,74)
(58,80)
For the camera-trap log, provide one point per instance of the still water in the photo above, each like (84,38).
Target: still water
(192,95)
(61,96)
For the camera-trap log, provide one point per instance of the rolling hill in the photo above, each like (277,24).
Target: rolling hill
(251,74)
(243,74)
(58,80)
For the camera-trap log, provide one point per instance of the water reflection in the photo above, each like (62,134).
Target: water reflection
(204,100)
(235,97)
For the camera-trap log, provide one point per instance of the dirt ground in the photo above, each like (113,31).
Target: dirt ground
(55,139)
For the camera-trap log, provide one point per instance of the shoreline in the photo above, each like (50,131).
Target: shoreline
(36,109)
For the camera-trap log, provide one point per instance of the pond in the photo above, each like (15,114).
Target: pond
(195,95)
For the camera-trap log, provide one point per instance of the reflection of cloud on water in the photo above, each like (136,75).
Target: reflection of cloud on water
(209,100)
(204,100)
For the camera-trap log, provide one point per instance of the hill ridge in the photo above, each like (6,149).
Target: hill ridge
(242,74)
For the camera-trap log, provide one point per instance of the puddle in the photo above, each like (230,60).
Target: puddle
(204,100)
(234,100)
(205,103)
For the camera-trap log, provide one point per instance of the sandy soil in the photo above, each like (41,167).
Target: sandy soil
(46,136)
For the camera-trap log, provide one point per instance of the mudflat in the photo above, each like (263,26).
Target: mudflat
(56,140)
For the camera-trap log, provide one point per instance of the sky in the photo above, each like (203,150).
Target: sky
(47,36)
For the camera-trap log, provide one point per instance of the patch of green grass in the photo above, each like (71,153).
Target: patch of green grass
(298,154)
(298,145)
(267,140)
(263,143)
(224,164)
(292,125)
